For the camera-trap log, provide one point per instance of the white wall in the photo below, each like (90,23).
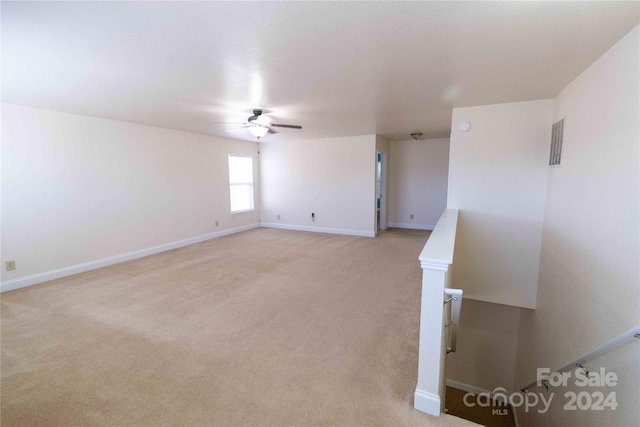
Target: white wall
(419,176)
(333,178)
(497,178)
(487,346)
(77,189)
(589,287)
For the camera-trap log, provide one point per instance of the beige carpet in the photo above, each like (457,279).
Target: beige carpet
(265,327)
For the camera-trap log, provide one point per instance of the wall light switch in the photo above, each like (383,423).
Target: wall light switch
(217,223)
(411,216)
(278,216)
(10,265)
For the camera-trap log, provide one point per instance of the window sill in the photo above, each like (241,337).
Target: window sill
(242,212)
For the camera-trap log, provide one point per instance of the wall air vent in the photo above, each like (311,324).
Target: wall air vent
(555,157)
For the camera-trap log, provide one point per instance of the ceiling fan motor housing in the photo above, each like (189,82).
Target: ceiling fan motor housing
(256,114)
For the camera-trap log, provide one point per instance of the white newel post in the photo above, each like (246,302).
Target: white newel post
(436,260)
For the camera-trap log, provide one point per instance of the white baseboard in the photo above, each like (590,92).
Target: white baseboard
(466,387)
(21,282)
(412,226)
(427,402)
(318,229)
(475,390)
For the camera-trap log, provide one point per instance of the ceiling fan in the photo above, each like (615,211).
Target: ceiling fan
(258,128)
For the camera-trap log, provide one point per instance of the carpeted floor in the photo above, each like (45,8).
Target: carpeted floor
(264,327)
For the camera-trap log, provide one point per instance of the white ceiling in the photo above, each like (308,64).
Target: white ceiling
(336,68)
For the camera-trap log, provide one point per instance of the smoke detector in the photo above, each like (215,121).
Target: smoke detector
(416,135)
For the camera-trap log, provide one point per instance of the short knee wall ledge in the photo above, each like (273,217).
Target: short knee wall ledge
(436,260)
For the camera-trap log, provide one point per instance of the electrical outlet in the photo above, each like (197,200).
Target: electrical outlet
(10,265)
(411,216)
(217,223)
(313,217)
(278,216)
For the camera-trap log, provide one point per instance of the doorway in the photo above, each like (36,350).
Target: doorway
(381,191)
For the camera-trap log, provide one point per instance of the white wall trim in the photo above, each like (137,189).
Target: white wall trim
(361,233)
(473,389)
(427,402)
(412,225)
(21,282)
(466,387)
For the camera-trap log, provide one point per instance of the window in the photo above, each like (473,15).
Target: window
(241,183)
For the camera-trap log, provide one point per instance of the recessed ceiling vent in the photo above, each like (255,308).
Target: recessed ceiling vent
(555,157)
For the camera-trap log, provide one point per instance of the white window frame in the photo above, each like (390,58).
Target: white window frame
(250,184)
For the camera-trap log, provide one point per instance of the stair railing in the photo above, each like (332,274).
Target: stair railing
(455,299)
(622,339)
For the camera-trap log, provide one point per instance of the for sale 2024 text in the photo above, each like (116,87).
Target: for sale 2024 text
(588,399)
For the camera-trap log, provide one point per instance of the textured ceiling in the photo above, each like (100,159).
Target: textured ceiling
(336,68)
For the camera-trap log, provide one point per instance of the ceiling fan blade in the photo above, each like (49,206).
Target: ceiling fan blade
(237,129)
(229,123)
(285,126)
